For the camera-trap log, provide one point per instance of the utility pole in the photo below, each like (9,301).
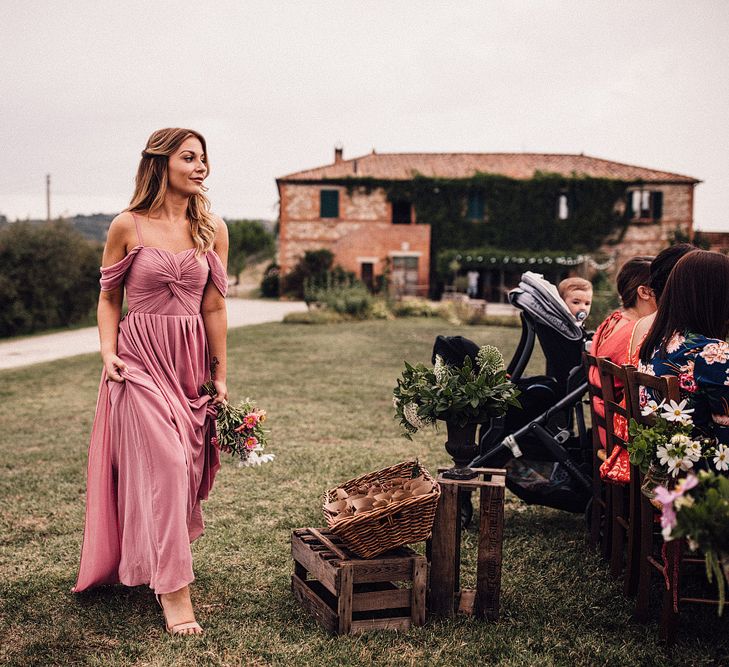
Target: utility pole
(48,197)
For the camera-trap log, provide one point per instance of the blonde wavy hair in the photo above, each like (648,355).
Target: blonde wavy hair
(152,180)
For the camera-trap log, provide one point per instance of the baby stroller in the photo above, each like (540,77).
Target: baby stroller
(544,446)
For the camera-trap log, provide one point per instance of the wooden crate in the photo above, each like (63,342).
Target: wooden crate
(348,594)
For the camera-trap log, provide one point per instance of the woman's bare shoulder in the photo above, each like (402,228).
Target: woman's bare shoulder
(121,225)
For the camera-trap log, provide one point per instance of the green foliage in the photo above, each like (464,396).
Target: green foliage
(249,240)
(518,213)
(270,283)
(348,297)
(48,277)
(646,440)
(315,268)
(413,307)
(460,395)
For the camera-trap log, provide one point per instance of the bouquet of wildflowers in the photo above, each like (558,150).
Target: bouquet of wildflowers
(697,508)
(471,393)
(668,445)
(239,430)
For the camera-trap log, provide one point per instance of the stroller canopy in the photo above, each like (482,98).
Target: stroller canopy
(542,301)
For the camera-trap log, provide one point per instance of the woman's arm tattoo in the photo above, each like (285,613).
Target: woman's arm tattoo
(214,363)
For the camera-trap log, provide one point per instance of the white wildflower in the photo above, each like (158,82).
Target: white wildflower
(721,458)
(677,412)
(651,407)
(693,450)
(490,360)
(410,412)
(440,369)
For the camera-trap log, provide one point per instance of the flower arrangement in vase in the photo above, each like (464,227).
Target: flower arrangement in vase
(462,395)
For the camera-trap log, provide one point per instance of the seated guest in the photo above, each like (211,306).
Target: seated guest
(577,294)
(612,337)
(687,339)
(661,268)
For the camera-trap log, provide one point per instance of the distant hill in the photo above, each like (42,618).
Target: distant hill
(95,226)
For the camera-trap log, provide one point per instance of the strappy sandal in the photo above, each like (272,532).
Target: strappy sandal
(179,628)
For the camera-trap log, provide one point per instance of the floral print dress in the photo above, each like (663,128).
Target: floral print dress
(702,367)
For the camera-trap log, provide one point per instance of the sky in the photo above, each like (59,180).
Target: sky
(275,85)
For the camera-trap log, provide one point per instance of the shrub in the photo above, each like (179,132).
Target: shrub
(459,313)
(270,283)
(314,269)
(48,277)
(413,308)
(348,298)
(313,317)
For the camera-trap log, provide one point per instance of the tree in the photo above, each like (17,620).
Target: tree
(249,241)
(49,277)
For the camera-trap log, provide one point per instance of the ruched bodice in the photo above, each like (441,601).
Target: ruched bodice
(161,282)
(151,461)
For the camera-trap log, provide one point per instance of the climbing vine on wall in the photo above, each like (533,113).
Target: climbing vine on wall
(517,214)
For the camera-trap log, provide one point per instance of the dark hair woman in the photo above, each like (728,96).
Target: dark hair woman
(687,339)
(613,336)
(661,268)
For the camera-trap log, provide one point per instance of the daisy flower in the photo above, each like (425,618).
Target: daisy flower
(677,412)
(721,459)
(651,407)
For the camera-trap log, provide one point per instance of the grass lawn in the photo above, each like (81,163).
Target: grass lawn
(328,394)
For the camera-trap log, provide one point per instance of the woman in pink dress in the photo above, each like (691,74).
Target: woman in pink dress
(150,458)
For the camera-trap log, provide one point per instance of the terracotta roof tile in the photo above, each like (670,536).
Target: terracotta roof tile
(403,166)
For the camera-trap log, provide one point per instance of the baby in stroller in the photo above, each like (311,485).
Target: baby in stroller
(544,446)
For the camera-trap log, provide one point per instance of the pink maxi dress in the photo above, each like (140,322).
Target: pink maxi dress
(150,458)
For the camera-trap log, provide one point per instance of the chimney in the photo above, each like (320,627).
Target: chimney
(338,154)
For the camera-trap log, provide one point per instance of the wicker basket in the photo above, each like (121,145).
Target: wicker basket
(402,522)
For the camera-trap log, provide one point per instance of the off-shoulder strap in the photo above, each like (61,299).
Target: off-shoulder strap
(139,231)
(217,272)
(113,276)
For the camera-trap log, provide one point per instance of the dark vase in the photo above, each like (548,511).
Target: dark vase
(462,448)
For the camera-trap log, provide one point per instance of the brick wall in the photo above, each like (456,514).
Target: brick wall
(363,232)
(649,238)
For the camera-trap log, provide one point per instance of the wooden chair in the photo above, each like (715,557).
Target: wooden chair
(599,535)
(679,563)
(624,501)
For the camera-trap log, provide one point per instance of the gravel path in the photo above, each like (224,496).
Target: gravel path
(47,347)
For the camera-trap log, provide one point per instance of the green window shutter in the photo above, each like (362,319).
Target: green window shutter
(475,206)
(657,202)
(329,203)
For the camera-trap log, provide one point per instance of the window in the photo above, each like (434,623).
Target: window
(475,206)
(329,203)
(401,213)
(644,205)
(563,209)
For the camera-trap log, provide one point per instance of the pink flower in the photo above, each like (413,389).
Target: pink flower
(687,383)
(214,441)
(251,442)
(250,420)
(667,498)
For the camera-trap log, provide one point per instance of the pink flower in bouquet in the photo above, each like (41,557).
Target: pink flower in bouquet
(250,420)
(667,498)
(214,441)
(251,442)
(261,416)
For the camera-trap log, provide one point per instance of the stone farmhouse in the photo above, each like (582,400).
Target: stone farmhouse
(370,234)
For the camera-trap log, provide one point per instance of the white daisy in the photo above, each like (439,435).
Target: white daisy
(721,459)
(651,407)
(677,412)
(663,454)
(693,450)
